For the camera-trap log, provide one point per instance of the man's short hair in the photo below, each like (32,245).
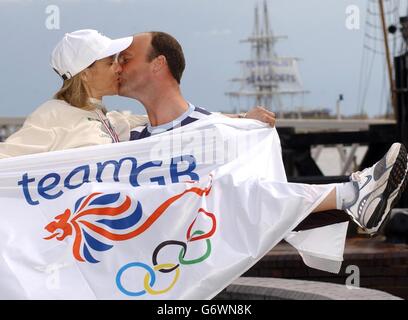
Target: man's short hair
(164,44)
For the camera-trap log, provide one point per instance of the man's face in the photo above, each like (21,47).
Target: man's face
(136,70)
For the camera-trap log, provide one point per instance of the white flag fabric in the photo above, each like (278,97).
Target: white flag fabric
(179,215)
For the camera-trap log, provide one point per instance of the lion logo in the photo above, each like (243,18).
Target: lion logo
(98,220)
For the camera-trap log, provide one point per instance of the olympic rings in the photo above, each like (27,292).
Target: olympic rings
(149,288)
(150,277)
(198,260)
(131,265)
(191,238)
(162,245)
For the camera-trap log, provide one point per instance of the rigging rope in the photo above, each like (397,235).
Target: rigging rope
(373,46)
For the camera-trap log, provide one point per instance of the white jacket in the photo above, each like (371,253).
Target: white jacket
(56,125)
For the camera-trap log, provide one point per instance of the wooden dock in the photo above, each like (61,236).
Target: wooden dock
(382,266)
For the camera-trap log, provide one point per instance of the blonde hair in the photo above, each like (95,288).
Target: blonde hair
(75,92)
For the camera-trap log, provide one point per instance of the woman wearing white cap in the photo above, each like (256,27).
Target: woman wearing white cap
(76,117)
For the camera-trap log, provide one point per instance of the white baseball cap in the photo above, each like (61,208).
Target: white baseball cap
(79,49)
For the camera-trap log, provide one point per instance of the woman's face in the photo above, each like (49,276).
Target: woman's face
(103,77)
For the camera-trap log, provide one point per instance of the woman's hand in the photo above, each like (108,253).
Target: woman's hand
(261,114)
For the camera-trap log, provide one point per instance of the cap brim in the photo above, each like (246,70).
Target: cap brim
(116,46)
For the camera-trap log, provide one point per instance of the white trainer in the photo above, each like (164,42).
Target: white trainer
(378,189)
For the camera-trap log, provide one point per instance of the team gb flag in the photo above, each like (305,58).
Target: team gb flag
(179,215)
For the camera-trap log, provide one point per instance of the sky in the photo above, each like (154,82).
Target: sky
(210,32)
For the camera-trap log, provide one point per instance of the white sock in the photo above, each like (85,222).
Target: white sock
(345,194)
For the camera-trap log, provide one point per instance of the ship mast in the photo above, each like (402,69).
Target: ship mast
(388,57)
(266,76)
(257,47)
(270,55)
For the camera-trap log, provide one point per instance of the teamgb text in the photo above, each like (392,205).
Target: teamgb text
(53,185)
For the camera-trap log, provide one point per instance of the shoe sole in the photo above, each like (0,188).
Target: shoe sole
(394,202)
(397,180)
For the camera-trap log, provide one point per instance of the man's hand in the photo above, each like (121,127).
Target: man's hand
(261,114)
